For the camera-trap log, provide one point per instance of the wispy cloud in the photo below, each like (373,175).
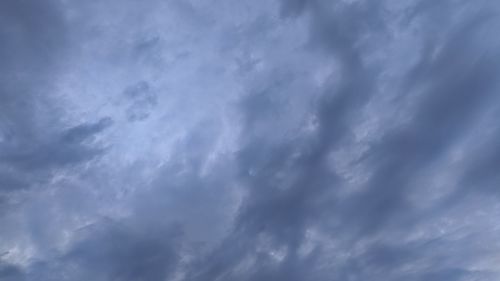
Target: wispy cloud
(271,140)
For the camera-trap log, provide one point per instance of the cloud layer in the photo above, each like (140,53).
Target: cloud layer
(268,140)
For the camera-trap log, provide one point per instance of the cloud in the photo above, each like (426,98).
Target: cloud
(290,140)
(292,189)
(143,99)
(32,142)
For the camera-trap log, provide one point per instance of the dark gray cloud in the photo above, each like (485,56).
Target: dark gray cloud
(33,141)
(289,140)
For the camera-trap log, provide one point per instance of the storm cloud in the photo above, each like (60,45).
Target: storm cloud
(266,140)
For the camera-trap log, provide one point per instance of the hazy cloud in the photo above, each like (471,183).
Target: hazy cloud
(271,140)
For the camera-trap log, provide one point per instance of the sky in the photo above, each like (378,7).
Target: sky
(190,140)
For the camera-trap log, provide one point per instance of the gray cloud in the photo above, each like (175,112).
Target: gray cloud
(143,99)
(458,82)
(296,140)
(32,142)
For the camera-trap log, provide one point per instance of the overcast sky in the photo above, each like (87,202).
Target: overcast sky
(262,140)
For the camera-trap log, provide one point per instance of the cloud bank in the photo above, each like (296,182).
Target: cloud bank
(268,140)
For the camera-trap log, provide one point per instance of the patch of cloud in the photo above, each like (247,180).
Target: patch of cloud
(142,98)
